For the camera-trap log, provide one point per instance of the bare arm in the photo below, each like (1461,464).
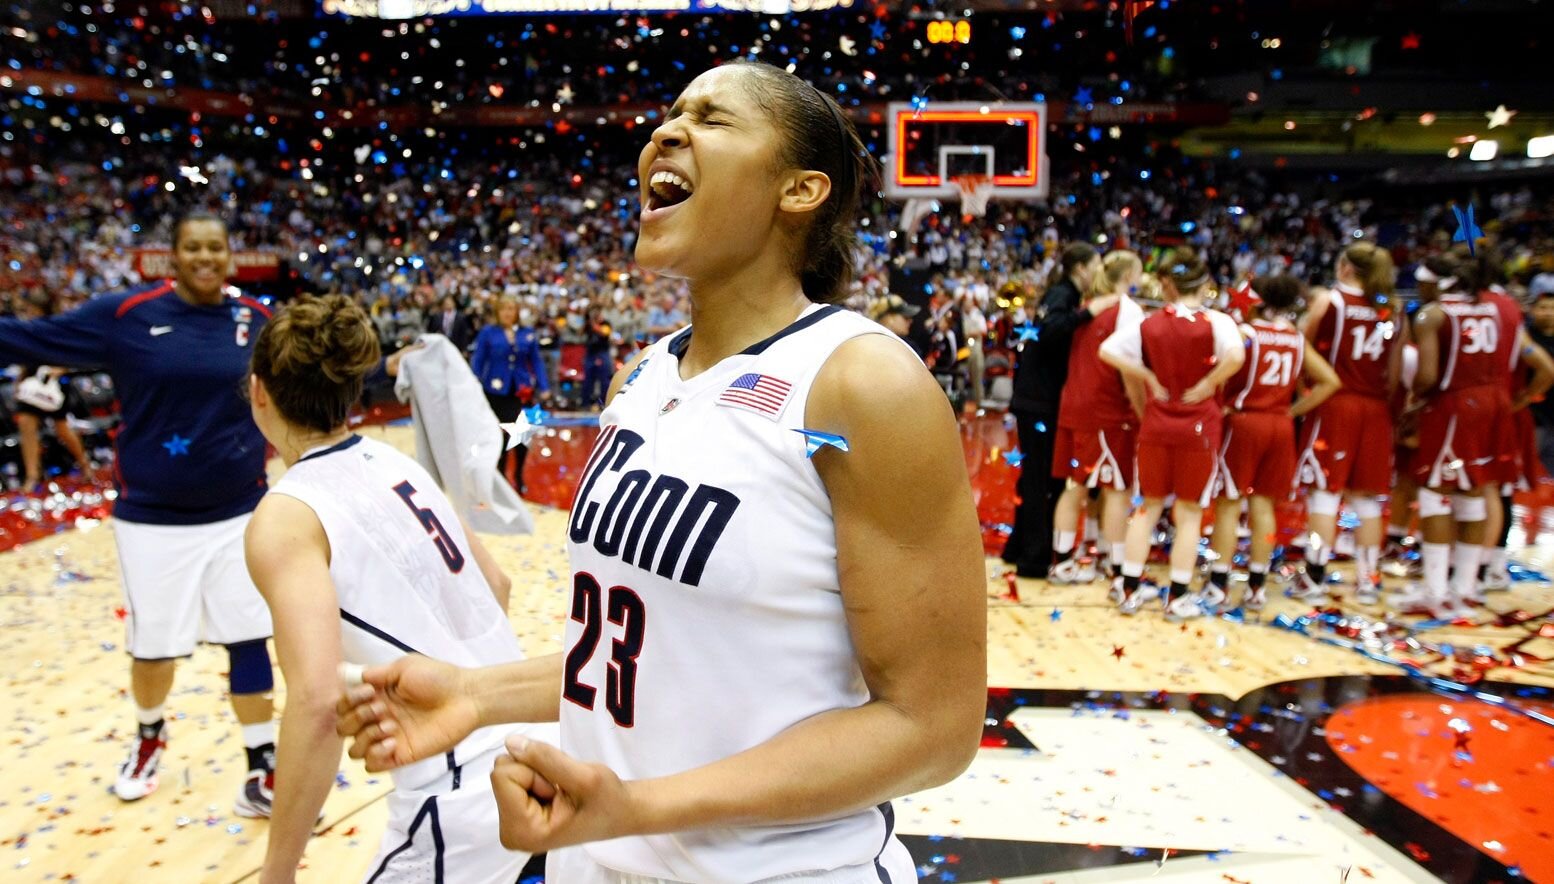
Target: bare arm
(288,558)
(1138,374)
(1427,343)
(912,582)
(501,585)
(1313,318)
(1227,361)
(1322,380)
(1542,371)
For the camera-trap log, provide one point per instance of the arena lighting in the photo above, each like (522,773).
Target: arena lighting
(1484,150)
(1540,147)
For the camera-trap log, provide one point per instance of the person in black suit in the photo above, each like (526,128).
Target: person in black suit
(1040,372)
(451,323)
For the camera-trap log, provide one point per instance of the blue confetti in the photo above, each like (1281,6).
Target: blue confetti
(814,440)
(1015,457)
(1468,230)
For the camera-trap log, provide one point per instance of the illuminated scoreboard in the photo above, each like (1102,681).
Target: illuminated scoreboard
(949,31)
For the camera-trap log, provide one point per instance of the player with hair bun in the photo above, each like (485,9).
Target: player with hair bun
(1181,354)
(361,558)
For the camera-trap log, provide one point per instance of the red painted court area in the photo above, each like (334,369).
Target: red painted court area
(1481,772)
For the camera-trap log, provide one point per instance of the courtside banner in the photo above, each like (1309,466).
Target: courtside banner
(251,266)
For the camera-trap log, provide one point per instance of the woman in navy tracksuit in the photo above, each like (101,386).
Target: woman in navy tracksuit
(511,370)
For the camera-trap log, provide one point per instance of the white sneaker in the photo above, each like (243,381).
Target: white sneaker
(1455,609)
(1135,601)
(1368,592)
(1256,599)
(1497,580)
(1214,600)
(1186,607)
(1306,588)
(1070,572)
(1416,600)
(138,774)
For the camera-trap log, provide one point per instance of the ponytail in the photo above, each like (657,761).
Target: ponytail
(1378,275)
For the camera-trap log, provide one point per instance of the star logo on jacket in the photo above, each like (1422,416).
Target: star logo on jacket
(176,446)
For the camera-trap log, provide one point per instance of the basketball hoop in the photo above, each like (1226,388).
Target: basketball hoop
(975,191)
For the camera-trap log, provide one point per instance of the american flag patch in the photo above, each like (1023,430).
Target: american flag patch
(760,393)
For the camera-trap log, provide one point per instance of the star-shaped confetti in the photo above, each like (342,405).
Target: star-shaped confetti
(877,31)
(1468,230)
(1028,332)
(814,440)
(536,415)
(176,446)
(1013,458)
(1499,117)
(565,93)
(1055,616)
(1084,96)
(848,45)
(1411,40)
(518,431)
(1117,651)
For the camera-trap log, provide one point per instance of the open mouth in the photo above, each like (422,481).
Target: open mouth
(666,189)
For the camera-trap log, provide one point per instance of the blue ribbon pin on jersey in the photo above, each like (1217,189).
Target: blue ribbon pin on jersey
(814,440)
(1468,230)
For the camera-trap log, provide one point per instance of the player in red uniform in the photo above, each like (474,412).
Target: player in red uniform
(1181,355)
(1097,424)
(1347,443)
(1527,371)
(1465,430)
(1257,457)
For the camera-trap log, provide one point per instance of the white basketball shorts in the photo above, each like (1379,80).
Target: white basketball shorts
(442,834)
(573,865)
(187,583)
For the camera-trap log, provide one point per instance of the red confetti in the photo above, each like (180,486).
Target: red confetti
(1117,651)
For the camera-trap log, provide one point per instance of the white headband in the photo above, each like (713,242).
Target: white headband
(1423,274)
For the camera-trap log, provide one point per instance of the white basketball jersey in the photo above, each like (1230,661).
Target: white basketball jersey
(706,615)
(403,571)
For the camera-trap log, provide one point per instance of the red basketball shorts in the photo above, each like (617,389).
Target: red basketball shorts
(1258,455)
(1467,439)
(1346,445)
(1096,458)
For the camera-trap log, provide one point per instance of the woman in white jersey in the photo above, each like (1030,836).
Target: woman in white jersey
(764,647)
(361,558)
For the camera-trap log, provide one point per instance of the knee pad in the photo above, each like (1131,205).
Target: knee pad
(1469,508)
(1433,504)
(1366,507)
(248,668)
(1322,503)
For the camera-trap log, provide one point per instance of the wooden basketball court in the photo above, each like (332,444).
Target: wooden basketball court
(1118,746)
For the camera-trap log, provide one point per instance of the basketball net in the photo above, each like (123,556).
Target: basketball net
(975,191)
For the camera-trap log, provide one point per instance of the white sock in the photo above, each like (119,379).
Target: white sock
(1184,576)
(1117,553)
(1497,560)
(148,716)
(256,735)
(1465,561)
(1063,541)
(1317,552)
(1435,559)
(1132,569)
(1365,559)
